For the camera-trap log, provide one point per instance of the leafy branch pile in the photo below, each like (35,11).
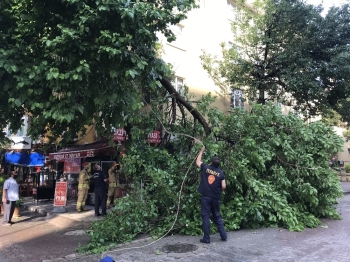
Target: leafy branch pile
(276,168)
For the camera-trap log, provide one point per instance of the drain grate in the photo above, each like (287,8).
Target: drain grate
(179,248)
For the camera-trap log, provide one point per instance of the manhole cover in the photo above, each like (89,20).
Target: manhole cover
(179,248)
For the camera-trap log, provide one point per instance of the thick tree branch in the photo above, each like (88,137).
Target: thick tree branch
(169,87)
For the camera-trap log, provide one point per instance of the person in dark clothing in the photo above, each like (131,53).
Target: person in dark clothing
(211,185)
(100,179)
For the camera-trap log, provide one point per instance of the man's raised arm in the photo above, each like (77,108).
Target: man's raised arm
(199,157)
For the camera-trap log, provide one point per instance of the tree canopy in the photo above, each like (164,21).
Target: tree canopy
(71,63)
(285,50)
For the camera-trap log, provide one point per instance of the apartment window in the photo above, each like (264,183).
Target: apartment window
(237,99)
(179,85)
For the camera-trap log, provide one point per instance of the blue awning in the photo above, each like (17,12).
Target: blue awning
(25,159)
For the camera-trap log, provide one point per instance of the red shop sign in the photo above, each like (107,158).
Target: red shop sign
(154,137)
(60,199)
(72,165)
(73,154)
(120,135)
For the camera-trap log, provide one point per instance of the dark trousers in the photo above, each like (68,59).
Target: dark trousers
(100,200)
(8,211)
(211,206)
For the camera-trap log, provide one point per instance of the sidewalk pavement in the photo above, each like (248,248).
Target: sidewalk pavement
(45,207)
(328,242)
(346,187)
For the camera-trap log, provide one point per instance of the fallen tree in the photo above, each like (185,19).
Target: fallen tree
(276,168)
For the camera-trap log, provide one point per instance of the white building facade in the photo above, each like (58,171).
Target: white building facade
(205,29)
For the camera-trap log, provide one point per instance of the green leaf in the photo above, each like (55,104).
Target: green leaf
(31,75)
(18,102)
(14,68)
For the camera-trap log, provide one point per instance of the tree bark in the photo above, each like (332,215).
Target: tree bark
(169,87)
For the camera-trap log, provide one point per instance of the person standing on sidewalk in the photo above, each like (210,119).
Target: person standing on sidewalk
(100,179)
(211,185)
(113,184)
(9,198)
(83,186)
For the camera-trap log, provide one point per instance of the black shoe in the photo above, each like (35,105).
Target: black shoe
(224,239)
(104,214)
(98,215)
(11,222)
(204,241)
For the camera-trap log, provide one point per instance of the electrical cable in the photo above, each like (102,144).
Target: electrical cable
(180,192)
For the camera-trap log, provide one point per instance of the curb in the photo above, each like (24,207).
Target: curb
(76,255)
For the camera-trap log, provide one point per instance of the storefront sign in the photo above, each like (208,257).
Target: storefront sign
(154,137)
(120,135)
(72,165)
(60,199)
(73,154)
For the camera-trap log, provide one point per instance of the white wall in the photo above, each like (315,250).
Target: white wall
(204,29)
(344,155)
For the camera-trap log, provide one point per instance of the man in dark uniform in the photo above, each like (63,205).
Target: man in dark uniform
(100,179)
(210,187)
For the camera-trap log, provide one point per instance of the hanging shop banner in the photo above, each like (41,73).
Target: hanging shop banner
(60,199)
(120,135)
(154,137)
(72,165)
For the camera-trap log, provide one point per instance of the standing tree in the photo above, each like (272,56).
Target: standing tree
(286,51)
(72,63)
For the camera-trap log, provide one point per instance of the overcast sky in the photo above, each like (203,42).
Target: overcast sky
(326,3)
